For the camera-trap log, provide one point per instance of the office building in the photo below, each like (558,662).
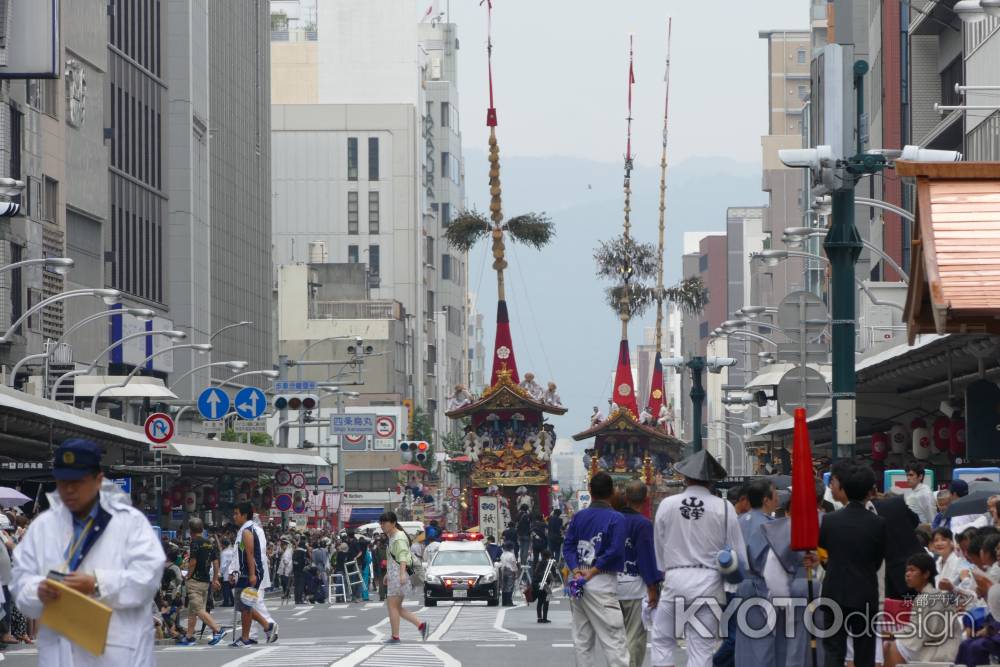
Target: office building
(367,159)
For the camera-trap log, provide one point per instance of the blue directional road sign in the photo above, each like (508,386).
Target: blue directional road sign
(250,403)
(213,403)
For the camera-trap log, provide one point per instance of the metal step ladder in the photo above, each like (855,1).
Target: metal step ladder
(354,577)
(336,591)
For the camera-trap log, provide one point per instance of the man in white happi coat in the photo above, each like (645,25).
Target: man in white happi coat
(103,548)
(533,388)
(690,530)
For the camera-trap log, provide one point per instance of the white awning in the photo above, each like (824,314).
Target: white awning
(139,386)
(788,425)
(228,451)
(12,399)
(770,375)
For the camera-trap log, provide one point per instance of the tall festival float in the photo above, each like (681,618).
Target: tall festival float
(506,439)
(630,443)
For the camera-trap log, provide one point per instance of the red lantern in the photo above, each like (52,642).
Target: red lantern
(211,498)
(166,505)
(941,436)
(880,446)
(956,437)
(265,499)
(177,496)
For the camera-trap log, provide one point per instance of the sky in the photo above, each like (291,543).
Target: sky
(560,75)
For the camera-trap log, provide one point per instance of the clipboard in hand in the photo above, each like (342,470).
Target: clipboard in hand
(77,617)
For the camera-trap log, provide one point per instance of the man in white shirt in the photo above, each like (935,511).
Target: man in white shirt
(920,499)
(226,558)
(690,530)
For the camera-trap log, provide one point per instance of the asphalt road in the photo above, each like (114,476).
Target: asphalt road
(351,635)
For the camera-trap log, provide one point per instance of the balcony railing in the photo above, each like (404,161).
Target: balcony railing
(356,310)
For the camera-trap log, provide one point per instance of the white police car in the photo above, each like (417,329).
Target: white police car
(461,570)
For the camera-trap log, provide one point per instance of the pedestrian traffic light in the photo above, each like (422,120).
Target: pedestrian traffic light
(296,402)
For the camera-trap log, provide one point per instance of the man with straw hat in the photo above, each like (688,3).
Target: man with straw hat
(690,530)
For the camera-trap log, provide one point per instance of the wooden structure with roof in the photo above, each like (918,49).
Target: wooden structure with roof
(955,275)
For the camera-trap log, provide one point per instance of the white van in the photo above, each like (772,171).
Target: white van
(411,528)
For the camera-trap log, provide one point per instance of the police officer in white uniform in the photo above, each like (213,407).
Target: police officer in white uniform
(690,530)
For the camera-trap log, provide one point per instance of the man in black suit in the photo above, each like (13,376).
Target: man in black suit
(855,541)
(901,525)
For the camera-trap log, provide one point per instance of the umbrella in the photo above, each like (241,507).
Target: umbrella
(974,503)
(981,485)
(460,459)
(781,482)
(805,515)
(409,467)
(12,497)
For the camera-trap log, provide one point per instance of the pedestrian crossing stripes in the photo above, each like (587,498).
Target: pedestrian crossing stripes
(415,655)
(407,632)
(480,624)
(297,656)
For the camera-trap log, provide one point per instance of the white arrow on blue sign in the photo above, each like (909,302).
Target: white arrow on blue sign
(250,403)
(213,403)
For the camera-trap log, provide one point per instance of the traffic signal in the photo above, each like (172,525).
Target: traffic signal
(414,450)
(296,402)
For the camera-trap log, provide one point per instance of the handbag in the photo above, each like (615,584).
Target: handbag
(529,594)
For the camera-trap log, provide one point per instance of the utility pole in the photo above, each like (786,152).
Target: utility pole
(697,367)
(283,413)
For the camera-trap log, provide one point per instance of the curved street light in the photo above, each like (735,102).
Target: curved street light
(269,373)
(110,296)
(201,348)
(229,326)
(60,265)
(864,288)
(142,314)
(172,335)
(753,311)
(313,344)
(796,235)
(233,365)
(748,334)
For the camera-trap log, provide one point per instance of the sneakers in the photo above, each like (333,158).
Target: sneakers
(251,642)
(272,633)
(392,640)
(544,620)
(239,643)
(218,636)
(424,630)
(186,641)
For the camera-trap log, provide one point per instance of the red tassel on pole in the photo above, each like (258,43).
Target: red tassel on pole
(805,516)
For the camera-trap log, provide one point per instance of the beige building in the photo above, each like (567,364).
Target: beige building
(788,73)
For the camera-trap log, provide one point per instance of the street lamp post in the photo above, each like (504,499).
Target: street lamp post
(143,314)
(232,365)
(227,327)
(110,296)
(60,265)
(269,373)
(171,334)
(697,366)
(198,347)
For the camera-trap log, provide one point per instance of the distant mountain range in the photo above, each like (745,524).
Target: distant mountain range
(562,329)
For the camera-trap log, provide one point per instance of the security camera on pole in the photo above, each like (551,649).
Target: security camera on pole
(836,167)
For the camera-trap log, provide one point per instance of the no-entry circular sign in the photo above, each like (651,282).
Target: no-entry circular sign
(385,427)
(159,428)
